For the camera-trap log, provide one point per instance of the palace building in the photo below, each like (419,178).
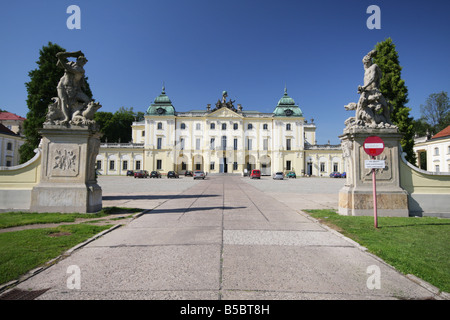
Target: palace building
(222,139)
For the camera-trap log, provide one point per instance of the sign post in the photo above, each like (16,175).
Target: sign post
(374,146)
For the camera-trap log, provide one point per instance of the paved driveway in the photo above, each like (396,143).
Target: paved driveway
(221,238)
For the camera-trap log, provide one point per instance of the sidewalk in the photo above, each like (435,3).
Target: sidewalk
(222,238)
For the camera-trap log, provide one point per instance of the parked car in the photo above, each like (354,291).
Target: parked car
(278,176)
(255,174)
(291,174)
(335,175)
(188,173)
(130,173)
(141,174)
(343,175)
(172,174)
(155,174)
(199,175)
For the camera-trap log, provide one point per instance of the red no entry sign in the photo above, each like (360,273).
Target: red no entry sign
(373,146)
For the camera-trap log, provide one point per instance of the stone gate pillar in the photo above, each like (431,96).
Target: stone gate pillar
(68,181)
(356,197)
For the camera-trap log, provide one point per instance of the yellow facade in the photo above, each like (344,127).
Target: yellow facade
(223,140)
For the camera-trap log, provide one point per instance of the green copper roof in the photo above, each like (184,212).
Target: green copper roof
(162,105)
(286,107)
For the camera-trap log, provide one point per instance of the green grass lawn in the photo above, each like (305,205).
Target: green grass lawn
(418,246)
(22,251)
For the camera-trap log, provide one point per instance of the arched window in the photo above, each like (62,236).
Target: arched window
(224,126)
(235,126)
(212,126)
(183,126)
(9,146)
(250,126)
(288,126)
(265,126)
(159,125)
(436,151)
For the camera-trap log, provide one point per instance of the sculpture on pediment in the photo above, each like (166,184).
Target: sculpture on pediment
(372,109)
(224,103)
(72,105)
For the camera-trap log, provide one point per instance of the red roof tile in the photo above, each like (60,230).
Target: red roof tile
(10,116)
(443,133)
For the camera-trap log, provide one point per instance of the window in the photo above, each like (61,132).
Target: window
(322,167)
(249,144)
(249,126)
(235,144)
(143,133)
(9,146)
(265,126)
(224,142)
(124,165)
(212,143)
(335,167)
(182,143)
(8,163)
(224,126)
(288,165)
(436,151)
(211,166)
(266,144)
(183,165)
(183,126)
(197,144)
(235,165)
(212,126)
(111,165)
(288,144)
(235,126)
(448,150)
(99,164)
(158,164)
(198,126)
(138,164)
(159,143)
(288,126)
(436,167)
(159,125)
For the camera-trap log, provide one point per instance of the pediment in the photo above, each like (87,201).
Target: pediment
(224,113)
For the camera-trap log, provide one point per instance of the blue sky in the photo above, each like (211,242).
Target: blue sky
(249,48)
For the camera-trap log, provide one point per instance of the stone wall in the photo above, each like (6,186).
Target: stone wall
(428,192)
(17,182)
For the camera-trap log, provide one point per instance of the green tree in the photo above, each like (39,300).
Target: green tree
(396,93)
(117,127)
(436,111)
(41,89)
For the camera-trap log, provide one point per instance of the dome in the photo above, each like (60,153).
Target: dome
(286,107)
(161,105)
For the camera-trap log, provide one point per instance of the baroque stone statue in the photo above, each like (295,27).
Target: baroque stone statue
(372,109)
(72,106)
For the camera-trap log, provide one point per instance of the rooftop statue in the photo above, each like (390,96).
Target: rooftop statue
(372,109)
(72,106)
(224,104)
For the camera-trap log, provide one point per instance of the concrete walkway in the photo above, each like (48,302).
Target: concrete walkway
(222,238)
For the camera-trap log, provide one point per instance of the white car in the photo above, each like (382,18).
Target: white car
(199,175)
(278,176)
